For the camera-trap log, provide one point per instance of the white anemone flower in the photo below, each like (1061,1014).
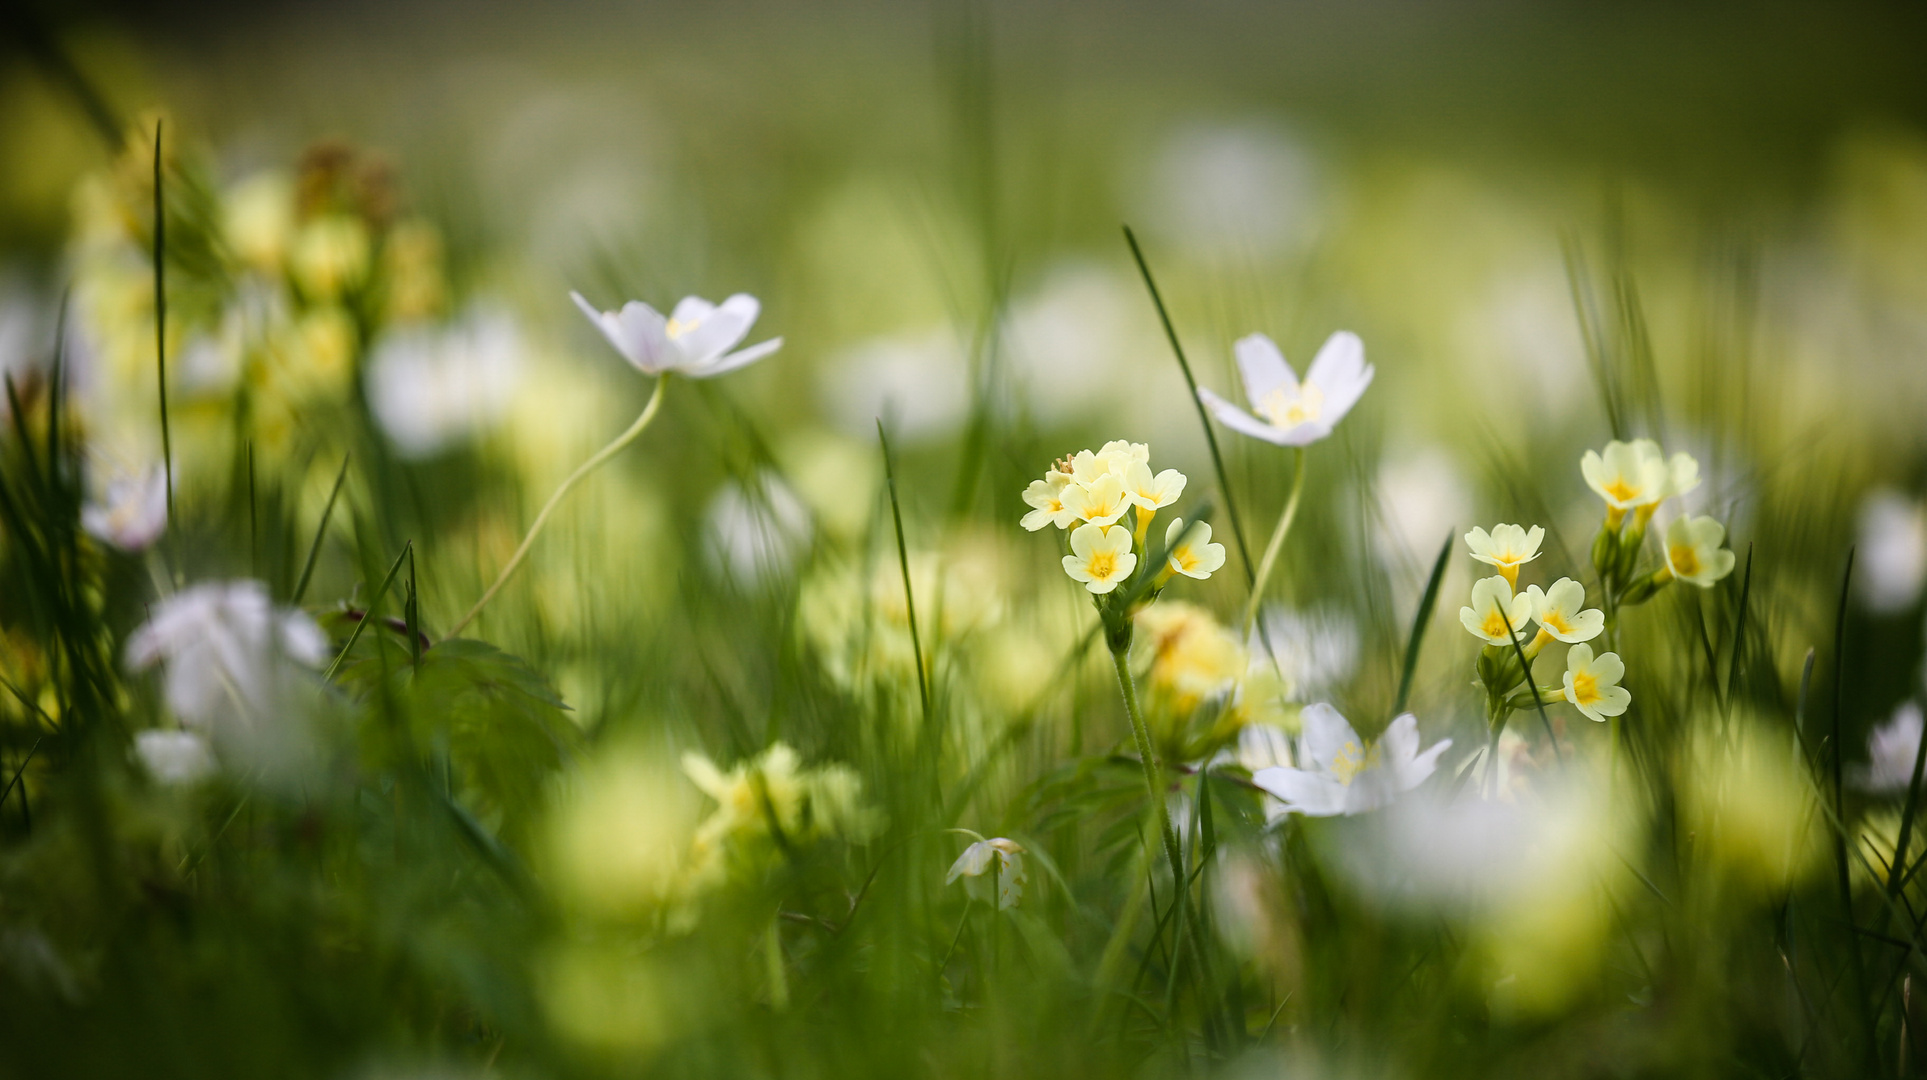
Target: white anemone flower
(1289,412)
(986,860)
(175,758)
(1192,552)
(1693,551)
(1592,683)
(1046,499)
(1345,774)
(1628,475)
(225,648)
(431,388)
(132,511)
(1561,612)
(1506,547)
(694,340)
(1891,748)
(1494,606)
(1101,557)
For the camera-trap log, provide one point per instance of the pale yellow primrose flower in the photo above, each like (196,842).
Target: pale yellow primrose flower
(1100,502)
(1626,475)
(1592,684)
(1493,605)
(976,862)
(1192,553)
(694,340)
(1506,547)
(1101,556)
(1561,612)
(1047,497)
(1152,492)
(1693,551)
(1121,453)
(1291,413)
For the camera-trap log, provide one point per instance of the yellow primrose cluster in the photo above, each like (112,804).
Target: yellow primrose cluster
(1634,478)
(769,804)
(1203,688)
(1089,493)
(1498,616)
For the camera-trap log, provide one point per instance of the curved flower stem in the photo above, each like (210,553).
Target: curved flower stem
(576,477)
(1276,544)
(1142,734)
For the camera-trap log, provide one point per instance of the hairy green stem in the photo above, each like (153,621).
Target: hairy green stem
(1276,544)
(576,477)
(1142,734)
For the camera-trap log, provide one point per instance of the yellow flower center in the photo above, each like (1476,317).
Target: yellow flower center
(1353,760)
(1286,409)
(1686,561)
(1585,688)
(678,328)
(1494,623)
(1102,565)
(1184,558)
(1620,490)
(1555,621)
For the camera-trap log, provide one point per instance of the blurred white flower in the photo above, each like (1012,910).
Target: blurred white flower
(174,757)
(1345,774)
(1069,340)
(1100,557)
(694,340)
(1891,564)
(1421,497)
(1891,749)
(984,860)
(1244,186)
(1316,651)
(919,385)
(19,333)
(1291,413)
(755,536)
(229,654)
(129,509)
(431,387)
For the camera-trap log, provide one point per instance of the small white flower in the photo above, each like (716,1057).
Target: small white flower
(755,532)
(1344,774)
(1506,547)
(980,862)
(1628,475)
(1152,492)
(1494,607)
(1191,550)
(1046,498)
(1101,501)
(1291,413)
(1891,565)
(219,642)
(1561,612)
(1101,556)
(1592,684)
(132,512)
(174,757)
(1891,748)
(694,340)
(1693,551)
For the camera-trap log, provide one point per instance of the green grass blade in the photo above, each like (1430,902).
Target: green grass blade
(1739,631)
(1538,702)
(160,318)
(368,615)
(1420,620)
(320,534)
(903,563)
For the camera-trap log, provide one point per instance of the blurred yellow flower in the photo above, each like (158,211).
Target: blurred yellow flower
(1506,547)
(1694,554)
(258,220)
(1626,476)
(329,256)
(1193,657)
(1101,556)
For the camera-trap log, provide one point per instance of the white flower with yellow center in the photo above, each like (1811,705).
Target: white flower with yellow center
(1289,412)
(1046,496)
(1345,774)
(1493,606)
(132,511)
(1693,551)
(1100,502)
(1627,475)
(1561,612)
(1592,683)
(694,340)
(1149,492)
(1191,551)
(998,859)
(1506,547)
(1100,556)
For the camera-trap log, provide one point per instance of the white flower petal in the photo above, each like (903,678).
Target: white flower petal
(1262,366)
